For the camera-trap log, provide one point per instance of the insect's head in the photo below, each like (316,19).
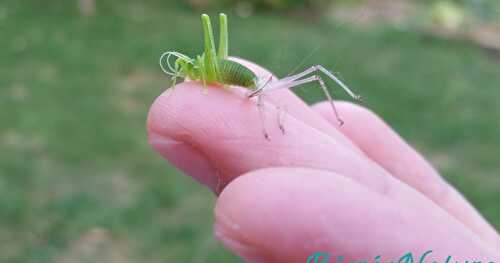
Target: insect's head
(177,65)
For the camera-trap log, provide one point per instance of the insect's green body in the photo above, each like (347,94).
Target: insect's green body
(210,67)
(233,73)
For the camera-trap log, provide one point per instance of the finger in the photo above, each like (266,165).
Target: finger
(186,157)
(286,214)
(223,132)
(380,143)
(225,129)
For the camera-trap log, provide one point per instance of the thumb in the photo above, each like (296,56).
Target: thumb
(288,214)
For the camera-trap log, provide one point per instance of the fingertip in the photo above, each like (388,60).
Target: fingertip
(159,109)
(165,135)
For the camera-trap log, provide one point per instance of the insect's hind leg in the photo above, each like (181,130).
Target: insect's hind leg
(319,68)
(290,84)
(259,88)
(340,83)
(330,99)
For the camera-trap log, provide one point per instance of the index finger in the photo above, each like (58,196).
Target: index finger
(172,133)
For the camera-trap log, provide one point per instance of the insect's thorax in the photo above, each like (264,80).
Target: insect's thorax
(233,73)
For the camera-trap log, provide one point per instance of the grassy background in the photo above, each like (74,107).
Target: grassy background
(78,182)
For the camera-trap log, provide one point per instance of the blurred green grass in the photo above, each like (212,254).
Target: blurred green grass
(75,167)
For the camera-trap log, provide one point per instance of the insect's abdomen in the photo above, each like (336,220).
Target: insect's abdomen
(233,73)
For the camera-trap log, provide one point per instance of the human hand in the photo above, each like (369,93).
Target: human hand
(358,191)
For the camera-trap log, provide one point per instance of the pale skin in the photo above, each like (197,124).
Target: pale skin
(356,190)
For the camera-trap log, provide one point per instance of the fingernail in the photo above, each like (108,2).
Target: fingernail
(245,251)
(186,158)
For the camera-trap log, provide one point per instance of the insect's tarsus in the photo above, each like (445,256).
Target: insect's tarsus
(281,117)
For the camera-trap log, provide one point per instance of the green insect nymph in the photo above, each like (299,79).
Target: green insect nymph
(214,67)
(210,67)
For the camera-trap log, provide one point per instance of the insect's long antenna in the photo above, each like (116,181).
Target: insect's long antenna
(172,70)
(223,37)
(311,53)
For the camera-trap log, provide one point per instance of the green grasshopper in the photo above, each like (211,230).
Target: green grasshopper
(211,67)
